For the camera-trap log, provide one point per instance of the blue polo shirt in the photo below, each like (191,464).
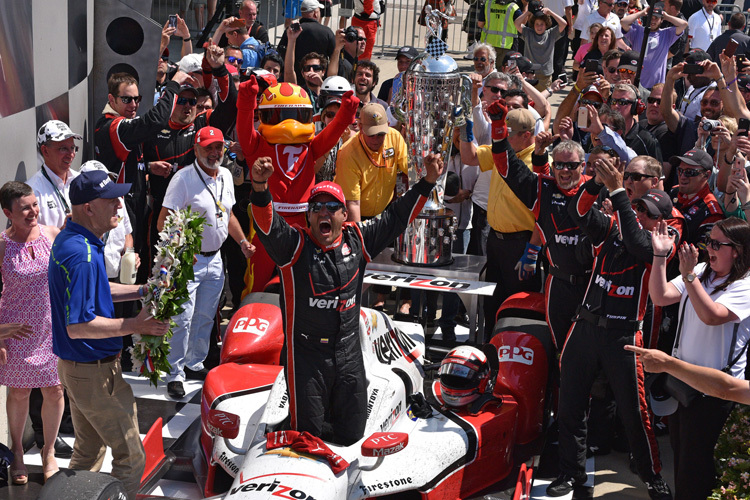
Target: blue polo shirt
(79,291)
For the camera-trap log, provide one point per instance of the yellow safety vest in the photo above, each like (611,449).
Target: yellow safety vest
(499,30)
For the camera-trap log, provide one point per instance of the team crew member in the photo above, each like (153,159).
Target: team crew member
(286,134)
(548,198)
(610,317)
(87,339)
(325,264)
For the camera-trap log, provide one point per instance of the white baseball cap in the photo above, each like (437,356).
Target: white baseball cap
(56,131)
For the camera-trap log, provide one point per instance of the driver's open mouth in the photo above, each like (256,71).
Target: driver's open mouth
(325,227)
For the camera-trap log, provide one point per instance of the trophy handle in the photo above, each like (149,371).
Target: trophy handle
(464,110)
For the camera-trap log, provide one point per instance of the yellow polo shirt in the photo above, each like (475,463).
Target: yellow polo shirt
(505,212)
(370,176)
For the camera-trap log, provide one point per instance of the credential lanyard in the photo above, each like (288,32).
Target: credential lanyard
(62,199)
(221,192)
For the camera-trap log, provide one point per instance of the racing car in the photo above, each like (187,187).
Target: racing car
(432,447)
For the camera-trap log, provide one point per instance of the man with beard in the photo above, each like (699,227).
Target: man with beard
(208,189)
(484,59)
(684,127)
(365,79)
(322,268)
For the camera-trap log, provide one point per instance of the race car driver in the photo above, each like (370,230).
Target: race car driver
(322,269)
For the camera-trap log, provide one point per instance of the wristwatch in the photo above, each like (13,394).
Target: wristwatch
(689,278)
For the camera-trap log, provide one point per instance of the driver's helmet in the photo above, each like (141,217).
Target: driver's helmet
(464,375)
(286,115)
(332,90)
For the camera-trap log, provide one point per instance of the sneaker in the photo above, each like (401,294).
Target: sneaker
(470,52)
(175,390)
(658,489)
(564,484)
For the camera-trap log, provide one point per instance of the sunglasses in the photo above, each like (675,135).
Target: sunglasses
(566,165)
(181,101)
(68,151)
(611,69)
(596,104)
(710,102)
(622,102)
(331,206)
(126,99)
(716,245)
(233,60)
(640,207)
(495,90)
(480,59)
(636,176)
(626,71)
(712,1)
(312,67)
(330,114)
(654,100)
(690,172)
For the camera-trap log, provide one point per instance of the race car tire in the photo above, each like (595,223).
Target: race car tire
(71,484)
(261,298)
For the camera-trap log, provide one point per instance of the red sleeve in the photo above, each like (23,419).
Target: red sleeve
(329,136)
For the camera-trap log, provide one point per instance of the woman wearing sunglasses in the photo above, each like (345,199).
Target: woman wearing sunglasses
(714,330)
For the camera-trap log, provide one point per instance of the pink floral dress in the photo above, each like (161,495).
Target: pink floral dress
(25,299)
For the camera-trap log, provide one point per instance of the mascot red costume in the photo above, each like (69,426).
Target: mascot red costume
(286,134)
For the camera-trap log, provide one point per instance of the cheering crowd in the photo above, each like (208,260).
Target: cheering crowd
(626,206)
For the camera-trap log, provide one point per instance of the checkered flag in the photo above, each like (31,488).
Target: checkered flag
(436,47)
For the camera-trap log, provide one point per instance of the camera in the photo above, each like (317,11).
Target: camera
(351,34)
(709,125)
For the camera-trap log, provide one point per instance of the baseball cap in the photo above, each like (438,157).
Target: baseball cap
(88,186)
(328,187)
(407,51)
(373,119)
(94,165)
(189,88)
(165,54)
(696,56)
(592,89)
(525,65)
(695,157)
(56,131)
(511,55)
(208,135)
(662,404)
(658,10)
(629,60)
(536,7)
(191,63)
(657,203)
(744,83)
(308,5)
(520,120)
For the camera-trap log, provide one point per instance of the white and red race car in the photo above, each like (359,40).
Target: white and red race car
(430,452)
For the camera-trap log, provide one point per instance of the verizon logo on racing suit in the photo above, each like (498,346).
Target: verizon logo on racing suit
(339,305)
(515,354)
(566,240)
(620,291)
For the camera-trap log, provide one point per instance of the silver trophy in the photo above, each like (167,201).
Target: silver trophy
(433,99)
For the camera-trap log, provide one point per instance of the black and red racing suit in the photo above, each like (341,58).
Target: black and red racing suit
(322,288)
(610,317)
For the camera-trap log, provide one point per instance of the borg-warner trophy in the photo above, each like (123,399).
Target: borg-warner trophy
(433,99)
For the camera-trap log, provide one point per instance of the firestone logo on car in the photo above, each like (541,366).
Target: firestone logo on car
(257,326)
(515,354)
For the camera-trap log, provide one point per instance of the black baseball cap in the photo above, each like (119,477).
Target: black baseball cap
(407,51)
(657,203)
(536,7)
(743,82)
(88,186)
(696,56)
(694,157)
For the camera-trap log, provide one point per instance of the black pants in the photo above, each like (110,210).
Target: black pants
(478,223)
(693,432)
(561,54)
(562,301)
(502,256)
(588,349)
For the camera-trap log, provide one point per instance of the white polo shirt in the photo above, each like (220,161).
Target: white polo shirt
(52,194)
(612,21)
(213,198)
(703,28)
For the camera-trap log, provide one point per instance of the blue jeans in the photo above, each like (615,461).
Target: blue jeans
(191,337)
(451,301)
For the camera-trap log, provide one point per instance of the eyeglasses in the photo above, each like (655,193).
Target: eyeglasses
(331,206)
(640,207)
(710,102)
(690,172)
(624,71)
(126,99)
(622,102)
(181,101)
(233,60)
(566,165)
(480,59)
(312,67)
(330,114)
(596,104)
(715,244)
(495,90)
(654,100)
(636,176)
(65,150)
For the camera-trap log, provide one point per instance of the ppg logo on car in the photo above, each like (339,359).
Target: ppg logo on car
(258,326)
(515,354)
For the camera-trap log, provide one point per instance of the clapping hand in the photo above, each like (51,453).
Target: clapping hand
(661,240)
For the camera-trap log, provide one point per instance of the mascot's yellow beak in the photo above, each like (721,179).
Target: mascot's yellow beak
(287,132)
